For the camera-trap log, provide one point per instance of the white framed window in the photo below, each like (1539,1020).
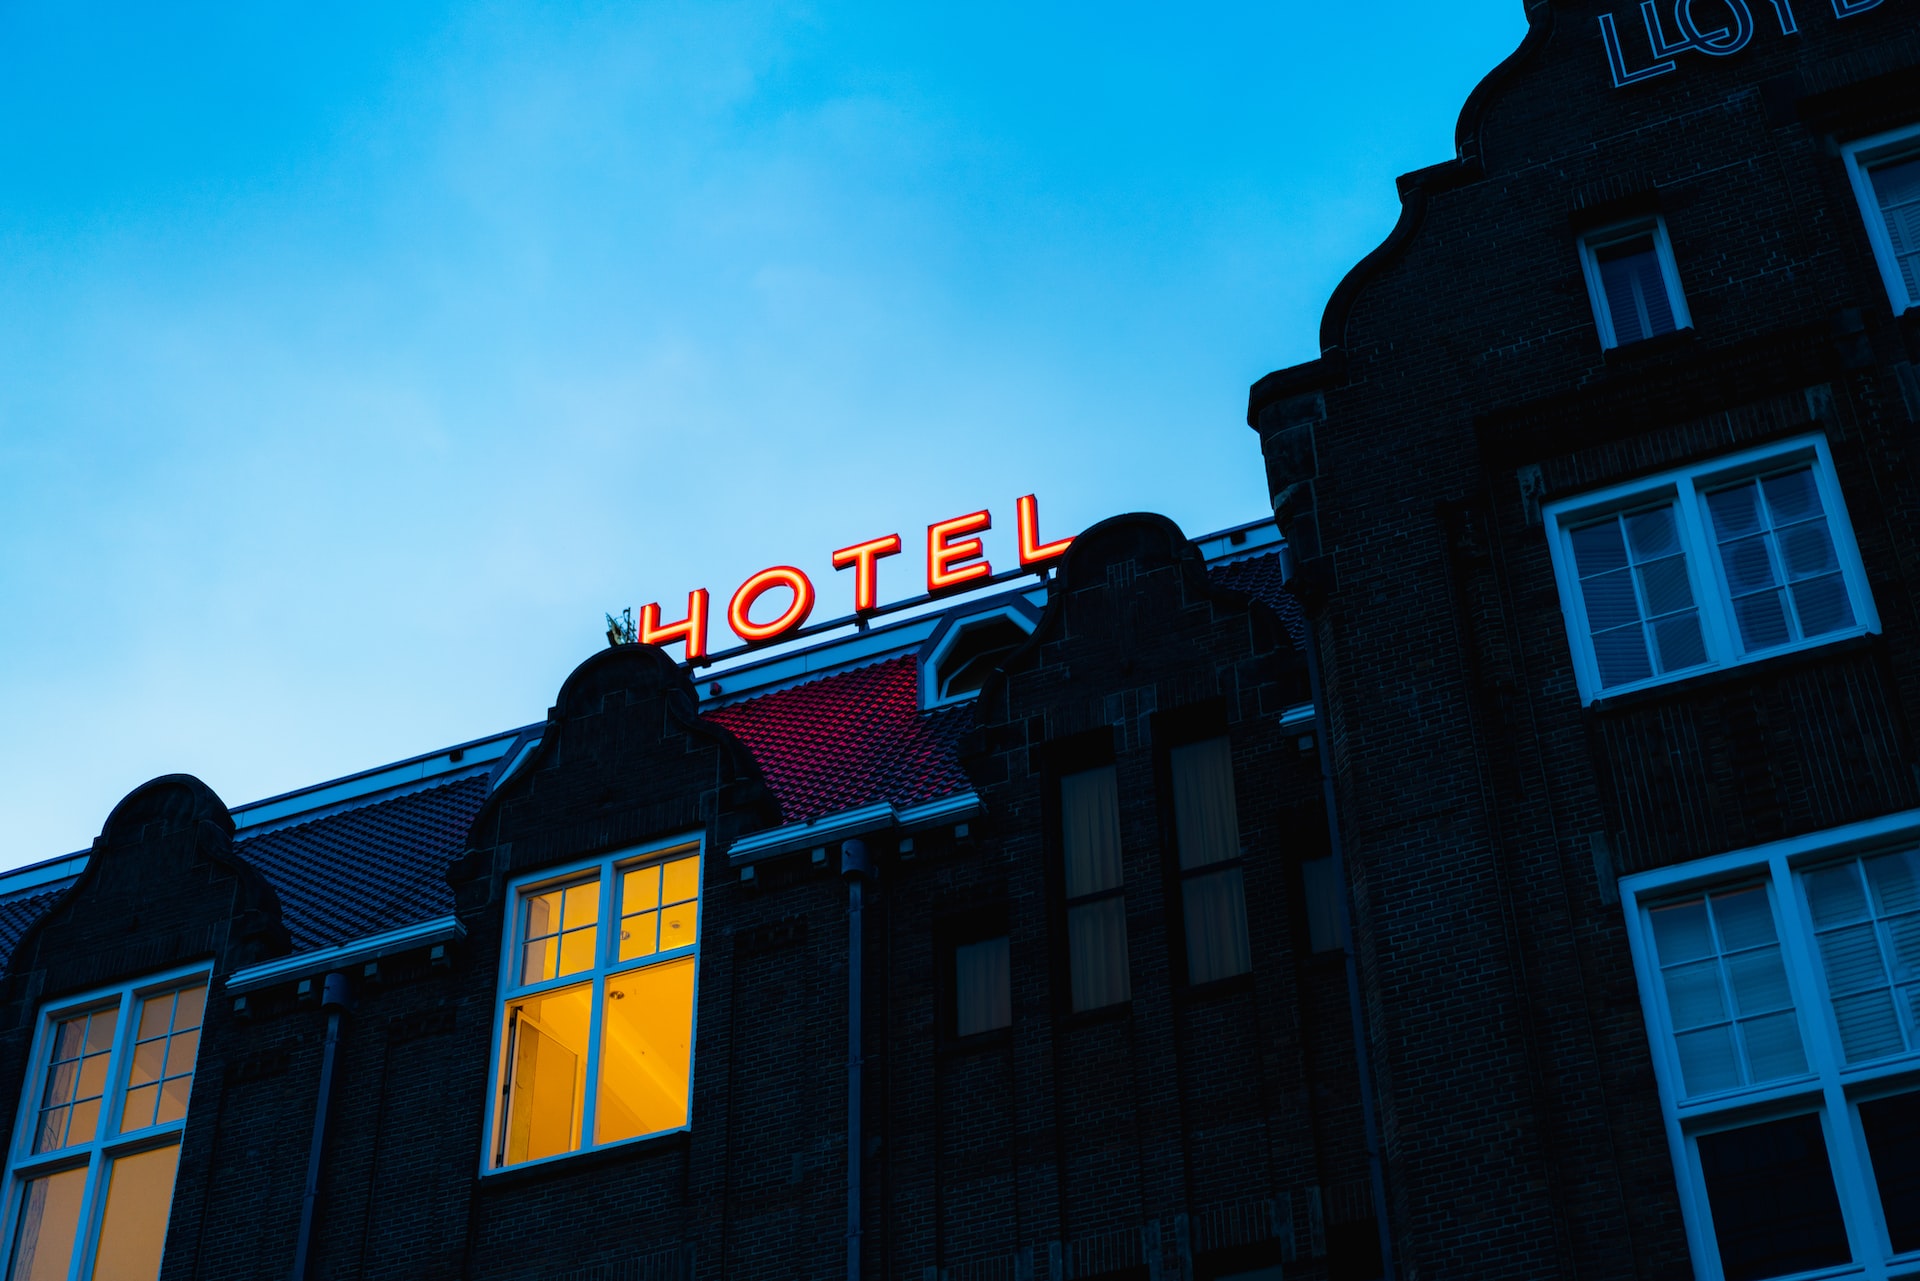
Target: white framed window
(90,1171)
(594,1041)
(1885,170)
(1721,562)
(1781,987)
(1633,282)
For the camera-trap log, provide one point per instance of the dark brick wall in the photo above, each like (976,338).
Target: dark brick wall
(1462,385)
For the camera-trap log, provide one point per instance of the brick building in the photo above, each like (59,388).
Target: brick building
(1602,503)
(1046,863)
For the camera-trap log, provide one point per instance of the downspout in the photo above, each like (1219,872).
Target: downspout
(334,1001)
(1356,1007)
(855,867)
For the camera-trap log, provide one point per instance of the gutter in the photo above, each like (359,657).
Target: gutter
(856,868)
(1356,1011)
(439,931)
(336,1001)
(831,828)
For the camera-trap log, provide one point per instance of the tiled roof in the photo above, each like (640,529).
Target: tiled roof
(838,743)
(852,739)
(1259,577)
(366,870)
(20,911)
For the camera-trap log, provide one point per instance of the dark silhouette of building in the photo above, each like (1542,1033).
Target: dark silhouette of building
(1601,500)
(1047,867)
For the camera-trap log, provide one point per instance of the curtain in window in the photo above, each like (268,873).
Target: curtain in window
(1637,301)
(1097,946)
(1323,903)
(1096,931)
(1216,919)
(1208,829)
(1090,830)
(1898,187)
(983,986)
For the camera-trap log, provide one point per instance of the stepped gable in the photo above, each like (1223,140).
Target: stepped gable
(852,739)
(370,869)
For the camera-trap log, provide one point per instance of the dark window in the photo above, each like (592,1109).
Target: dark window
(982,986)
(1635,289)
(1096,907)
(1322,887)
(1772,1197)
(1353,1251)
(1892,1126)
(1207,831)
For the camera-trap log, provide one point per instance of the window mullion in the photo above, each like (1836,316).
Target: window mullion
(1708,581)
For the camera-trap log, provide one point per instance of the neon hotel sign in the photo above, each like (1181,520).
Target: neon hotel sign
(955,558)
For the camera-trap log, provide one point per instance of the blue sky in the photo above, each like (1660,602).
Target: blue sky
(355,359)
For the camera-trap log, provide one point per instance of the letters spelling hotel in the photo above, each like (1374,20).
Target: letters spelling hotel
(1505,863)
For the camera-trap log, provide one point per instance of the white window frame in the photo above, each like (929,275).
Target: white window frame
(1829,1088)
(1706,577)
(1600,238)
(1861,157)
(96,1156)
(608,866)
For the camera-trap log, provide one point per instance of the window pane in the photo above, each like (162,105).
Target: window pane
(1772,1197)
(1892,1126)
(1216,918)
(134,1228)
(1635,290)
(1652,535)
(1898,186)
(680,881)
(546,1056)
(1822,605)
(49,1222)
(1727,997)
(1208,828)
(1097,953)
(1763,620)
(983,986)
(1323,904)
(160,1071)
(1610,600)
(1598,548)
(1621,655)
(1090,830)
(1678,642)
(646,1052)
(76,1080)
(1869,946)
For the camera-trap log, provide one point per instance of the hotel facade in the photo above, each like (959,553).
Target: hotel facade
(1503,863)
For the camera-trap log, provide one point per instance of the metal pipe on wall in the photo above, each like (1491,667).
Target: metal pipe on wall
(334,999)
(855,866)
(1356,1008)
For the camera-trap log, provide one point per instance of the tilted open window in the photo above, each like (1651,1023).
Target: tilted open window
(97,1142)
(594,1042)
(1886,179)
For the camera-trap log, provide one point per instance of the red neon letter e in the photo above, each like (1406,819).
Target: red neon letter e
(692,629)
(739,609)
(1032,550)
(866,578)
(942,554)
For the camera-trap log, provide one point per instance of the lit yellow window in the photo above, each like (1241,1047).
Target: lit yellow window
(596,1032)
(91,1171)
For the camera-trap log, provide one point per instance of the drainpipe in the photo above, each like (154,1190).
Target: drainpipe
(1356,1008)
(334,1001)
(856,868)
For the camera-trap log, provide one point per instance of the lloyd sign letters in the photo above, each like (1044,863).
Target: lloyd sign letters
(1716,28)
(955,557)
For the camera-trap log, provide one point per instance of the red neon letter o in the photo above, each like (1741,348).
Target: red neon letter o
(750,591)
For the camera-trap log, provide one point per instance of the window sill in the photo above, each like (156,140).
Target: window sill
(593,1159)
(1220,988)
(1690,684)
(958,1046)
(1118,1012)
(1671,343)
